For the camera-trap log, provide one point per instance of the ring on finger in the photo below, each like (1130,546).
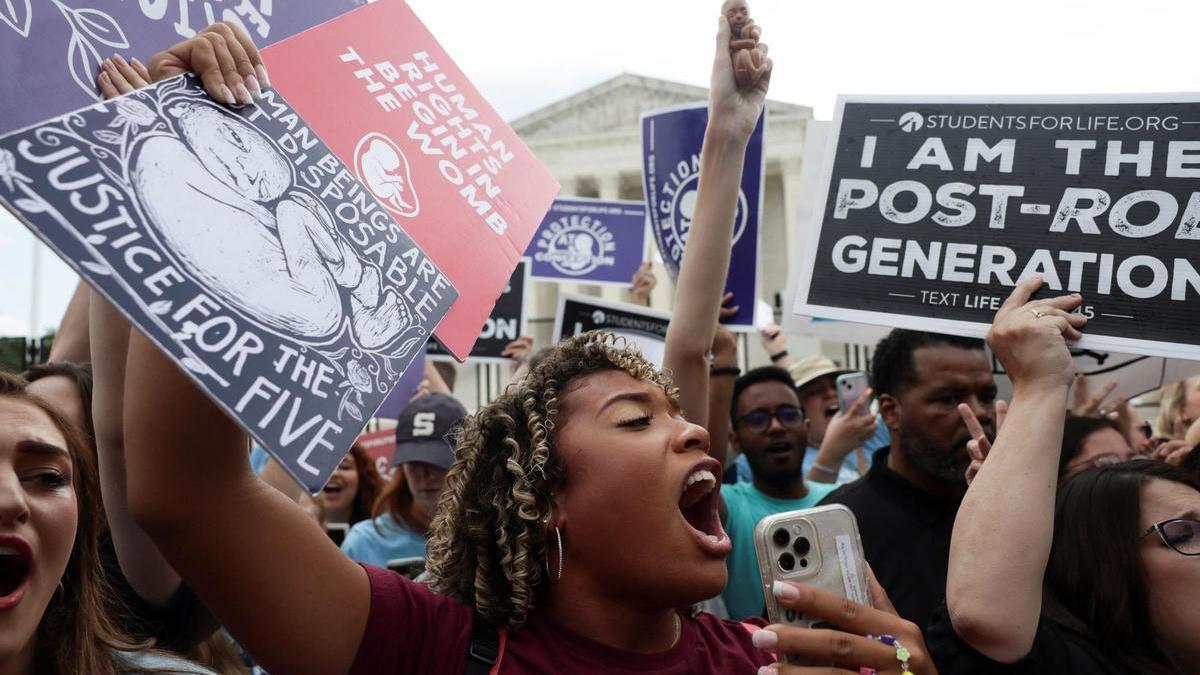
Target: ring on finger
(1037,313)
(902,654)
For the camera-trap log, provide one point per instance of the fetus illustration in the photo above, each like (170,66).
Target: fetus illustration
(225,202)
(383,168)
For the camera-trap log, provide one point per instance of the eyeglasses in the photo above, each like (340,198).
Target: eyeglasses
(759,419)
(1181,534)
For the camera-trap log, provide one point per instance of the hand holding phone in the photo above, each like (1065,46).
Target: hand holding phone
(850,388)
(819,547)
(848,646)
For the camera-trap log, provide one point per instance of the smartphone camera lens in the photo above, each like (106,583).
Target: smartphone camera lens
(802,546)
(781,537)
(787,562)
(803,563)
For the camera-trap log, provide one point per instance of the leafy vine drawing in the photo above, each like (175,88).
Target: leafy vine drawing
(91,29)
(18,14)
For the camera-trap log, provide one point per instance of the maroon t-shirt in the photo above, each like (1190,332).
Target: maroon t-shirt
(414,630)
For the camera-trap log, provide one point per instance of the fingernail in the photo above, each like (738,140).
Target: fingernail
(768,670)
(117,58)
(262,75)
(252,85)
(785,591)
(228,95)
(243,94)
(105,78)
(136,62)
(765,639)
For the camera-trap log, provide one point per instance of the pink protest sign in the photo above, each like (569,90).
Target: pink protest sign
(380,445)
(383,94)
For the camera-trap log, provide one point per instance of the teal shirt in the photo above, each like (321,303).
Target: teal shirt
(743,594)
(377,541)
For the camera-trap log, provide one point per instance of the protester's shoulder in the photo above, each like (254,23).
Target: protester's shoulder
(849,494)
(819,491)
(439,627)
(1056,649)
(737,493)
(131,662)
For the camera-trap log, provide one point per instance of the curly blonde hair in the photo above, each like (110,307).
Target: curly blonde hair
(488,543)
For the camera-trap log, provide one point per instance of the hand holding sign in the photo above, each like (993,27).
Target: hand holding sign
(644,282)
(225,58)
(118,76)
(1029,337)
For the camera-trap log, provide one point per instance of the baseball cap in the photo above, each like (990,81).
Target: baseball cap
(812,367)
(422,430)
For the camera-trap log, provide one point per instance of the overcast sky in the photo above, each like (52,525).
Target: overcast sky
(526,54)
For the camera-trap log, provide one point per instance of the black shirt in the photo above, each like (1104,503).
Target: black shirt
(1056,649)
(905,535)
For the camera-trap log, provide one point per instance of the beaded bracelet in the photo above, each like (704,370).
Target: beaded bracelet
(902,654)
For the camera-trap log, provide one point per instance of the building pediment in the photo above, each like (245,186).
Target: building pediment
(616,105)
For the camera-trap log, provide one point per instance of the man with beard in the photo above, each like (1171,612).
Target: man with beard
(907,502)
(769,428)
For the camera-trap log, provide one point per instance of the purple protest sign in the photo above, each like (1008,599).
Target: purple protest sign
(51,62)
(594,241)
(403,392)
(671,141)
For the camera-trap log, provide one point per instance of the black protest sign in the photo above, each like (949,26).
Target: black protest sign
(240,246)
(932,209)
(646,328)
(506,323)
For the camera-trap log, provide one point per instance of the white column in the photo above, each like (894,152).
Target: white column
(610,188)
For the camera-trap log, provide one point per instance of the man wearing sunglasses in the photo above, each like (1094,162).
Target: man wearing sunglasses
(769,428)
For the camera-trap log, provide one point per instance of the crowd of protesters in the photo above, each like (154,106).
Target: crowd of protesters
(599,515)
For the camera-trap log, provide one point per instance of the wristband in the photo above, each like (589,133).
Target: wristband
(824,469)
(780,355)
(724,370)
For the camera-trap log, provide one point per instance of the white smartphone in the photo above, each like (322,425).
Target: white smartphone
(850,386)
(820,547)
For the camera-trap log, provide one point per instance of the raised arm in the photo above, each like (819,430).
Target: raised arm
(280,586)
(995,598)
(71,338)
(148,573)
(720,393)
(732,116)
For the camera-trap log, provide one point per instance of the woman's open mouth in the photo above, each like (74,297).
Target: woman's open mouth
(15,567)
(698,505)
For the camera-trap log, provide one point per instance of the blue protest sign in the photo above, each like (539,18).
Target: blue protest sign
(50,50)
(242,247)
(595,241)
(671,142)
